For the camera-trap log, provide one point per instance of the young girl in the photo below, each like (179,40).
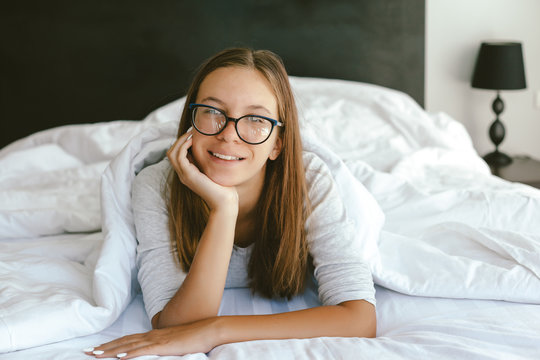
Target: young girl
(242,206)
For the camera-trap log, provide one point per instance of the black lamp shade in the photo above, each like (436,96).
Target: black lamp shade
(499,66)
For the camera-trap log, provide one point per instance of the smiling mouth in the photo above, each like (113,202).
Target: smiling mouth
(225,157)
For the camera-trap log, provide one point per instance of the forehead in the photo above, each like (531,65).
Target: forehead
(238,87)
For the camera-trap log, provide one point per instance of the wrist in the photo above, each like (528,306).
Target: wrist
(227,202)
(227,208)
(219,332)
(216,331)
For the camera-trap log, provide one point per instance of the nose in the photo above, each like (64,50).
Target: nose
(229,133)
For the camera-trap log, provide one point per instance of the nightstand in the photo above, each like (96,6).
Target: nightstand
(523,169)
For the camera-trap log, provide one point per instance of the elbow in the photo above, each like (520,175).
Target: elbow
(362,320)
(366,325)
(160,322)
(370,328)
(155,321)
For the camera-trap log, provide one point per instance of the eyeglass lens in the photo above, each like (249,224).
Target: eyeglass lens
(251,129)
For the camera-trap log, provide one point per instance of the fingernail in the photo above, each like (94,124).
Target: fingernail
(90,349)
(190,128)
(98,352)
(189,136)
(121,355)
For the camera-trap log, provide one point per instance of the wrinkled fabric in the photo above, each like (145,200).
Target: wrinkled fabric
(452,230)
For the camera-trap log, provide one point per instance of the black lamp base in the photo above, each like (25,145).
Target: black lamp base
(497,159)
(496,134)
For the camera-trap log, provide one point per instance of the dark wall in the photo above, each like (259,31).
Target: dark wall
(88,61)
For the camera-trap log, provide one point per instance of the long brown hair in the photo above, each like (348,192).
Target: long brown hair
(279,260)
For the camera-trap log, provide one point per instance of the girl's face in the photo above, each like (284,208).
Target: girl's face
(224,157)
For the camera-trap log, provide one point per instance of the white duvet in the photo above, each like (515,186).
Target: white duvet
(452,230)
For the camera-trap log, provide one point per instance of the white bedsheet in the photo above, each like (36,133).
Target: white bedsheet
(452,230)
(409,327)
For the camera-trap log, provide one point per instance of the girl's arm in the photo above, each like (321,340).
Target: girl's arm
(349,319)
(200,294)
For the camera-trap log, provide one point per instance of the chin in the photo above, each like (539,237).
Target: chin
(224,179)
(228,182)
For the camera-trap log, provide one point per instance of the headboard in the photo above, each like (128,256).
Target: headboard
(67,62)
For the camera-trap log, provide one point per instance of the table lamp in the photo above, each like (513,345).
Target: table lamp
(499,66)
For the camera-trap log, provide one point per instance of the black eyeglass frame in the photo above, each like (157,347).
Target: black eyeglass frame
(194,106)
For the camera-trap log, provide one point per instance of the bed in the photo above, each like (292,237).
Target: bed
(457,265)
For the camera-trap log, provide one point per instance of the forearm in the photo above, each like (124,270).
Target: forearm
(350,319)
(200,295)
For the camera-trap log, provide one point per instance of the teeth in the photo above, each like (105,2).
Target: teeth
(225,157)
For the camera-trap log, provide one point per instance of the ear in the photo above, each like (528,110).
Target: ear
(277,149)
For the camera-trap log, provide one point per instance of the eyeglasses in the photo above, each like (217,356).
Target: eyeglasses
(252,129)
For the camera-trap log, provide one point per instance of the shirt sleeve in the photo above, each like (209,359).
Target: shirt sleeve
(159,272)
(334,241)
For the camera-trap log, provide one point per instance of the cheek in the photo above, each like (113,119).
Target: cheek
(261,158)
(272,150)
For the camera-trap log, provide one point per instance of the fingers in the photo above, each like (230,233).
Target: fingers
(175,340)
(149,350)
(178,154)
(173,150)
(182,156)
(193,177)
(126,347)
(152,343)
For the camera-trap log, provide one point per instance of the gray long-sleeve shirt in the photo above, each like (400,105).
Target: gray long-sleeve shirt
(340,272)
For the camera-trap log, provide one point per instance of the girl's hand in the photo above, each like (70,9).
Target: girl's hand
(212,193)
(177,340)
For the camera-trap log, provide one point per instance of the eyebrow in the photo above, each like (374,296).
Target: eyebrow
(250,107)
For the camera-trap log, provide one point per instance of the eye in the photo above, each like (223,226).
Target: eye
(211,111)
(256,120)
